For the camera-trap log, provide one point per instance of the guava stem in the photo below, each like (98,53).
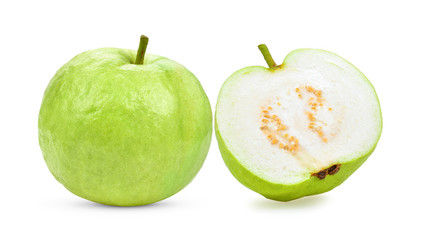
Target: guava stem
(142,49)
(268,57)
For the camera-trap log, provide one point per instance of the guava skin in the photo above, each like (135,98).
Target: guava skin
(283,192)
(123,134)
(287,192)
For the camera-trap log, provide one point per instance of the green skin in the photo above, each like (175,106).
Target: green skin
(124,134)
(283,192)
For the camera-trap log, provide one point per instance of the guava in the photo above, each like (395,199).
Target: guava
(297,129)
(124,129)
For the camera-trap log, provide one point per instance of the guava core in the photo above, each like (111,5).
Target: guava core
(125,134)
(297,129)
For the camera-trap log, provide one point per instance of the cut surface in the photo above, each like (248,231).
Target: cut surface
(305,119)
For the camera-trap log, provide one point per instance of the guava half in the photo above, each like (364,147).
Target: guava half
(297,129)
(124,129)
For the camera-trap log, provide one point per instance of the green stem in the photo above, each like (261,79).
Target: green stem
(142,49)
(268,57)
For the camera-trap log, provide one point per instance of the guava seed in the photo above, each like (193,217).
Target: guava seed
(334,169)
(331,171)
(321,175)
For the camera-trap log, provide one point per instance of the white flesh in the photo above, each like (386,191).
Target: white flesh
(351,127)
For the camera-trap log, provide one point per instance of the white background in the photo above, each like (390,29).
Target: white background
(213,39)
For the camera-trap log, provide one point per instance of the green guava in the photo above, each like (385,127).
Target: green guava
(124,129)
(297,129)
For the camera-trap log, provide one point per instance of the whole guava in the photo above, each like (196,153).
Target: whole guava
(120,133)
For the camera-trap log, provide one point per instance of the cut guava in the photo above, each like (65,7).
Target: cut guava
(297,129)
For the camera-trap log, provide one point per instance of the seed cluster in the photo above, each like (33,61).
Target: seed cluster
(315,102)
(277,132)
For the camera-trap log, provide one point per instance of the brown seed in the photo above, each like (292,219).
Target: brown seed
(331,171)
(321,175)
(334,169)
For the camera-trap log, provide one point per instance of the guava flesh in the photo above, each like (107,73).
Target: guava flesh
(300,129)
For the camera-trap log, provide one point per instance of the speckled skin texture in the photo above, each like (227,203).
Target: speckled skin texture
(123,134)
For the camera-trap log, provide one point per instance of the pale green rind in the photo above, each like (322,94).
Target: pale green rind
(123,134)
(283,192)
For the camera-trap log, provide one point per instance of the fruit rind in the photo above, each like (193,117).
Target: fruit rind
(130,140)
(310,186)
(282,192)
